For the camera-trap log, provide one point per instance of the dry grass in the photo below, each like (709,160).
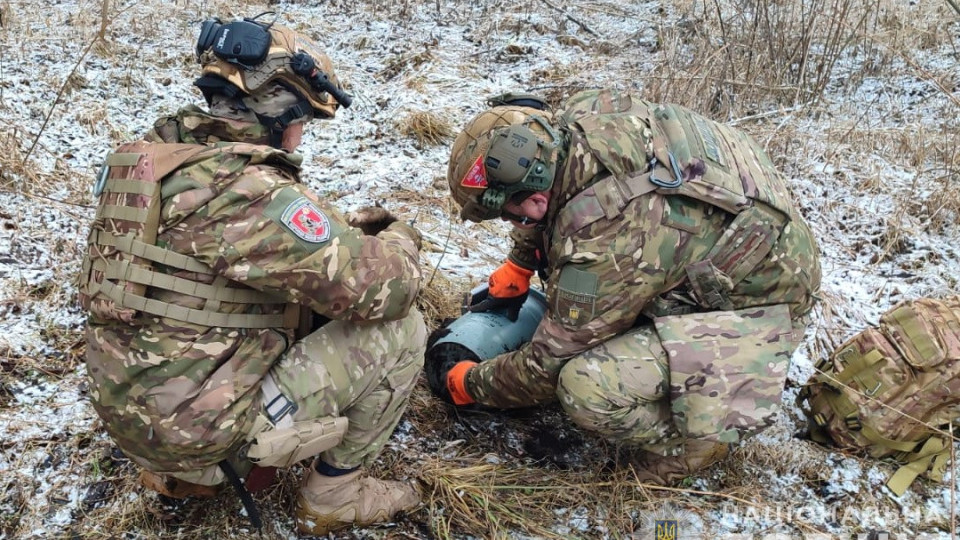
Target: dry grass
(426,127)
(727,61)
(403,62)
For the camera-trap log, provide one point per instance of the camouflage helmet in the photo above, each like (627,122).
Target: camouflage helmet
(506,151)
(245,56)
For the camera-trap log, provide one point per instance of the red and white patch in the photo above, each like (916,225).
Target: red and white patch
(476,177)
(306,221)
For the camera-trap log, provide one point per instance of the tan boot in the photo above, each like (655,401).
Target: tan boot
(651,468)
(328,503)
(174,487)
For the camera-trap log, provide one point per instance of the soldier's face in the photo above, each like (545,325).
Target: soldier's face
(533,208)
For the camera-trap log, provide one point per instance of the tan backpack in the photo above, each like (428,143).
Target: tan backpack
(893,390)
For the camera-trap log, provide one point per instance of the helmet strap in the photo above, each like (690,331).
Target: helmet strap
(523,220)
(211,85)
(278,124)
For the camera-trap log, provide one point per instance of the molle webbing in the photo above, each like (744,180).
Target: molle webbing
(122,251)
(891,390)
(692,156)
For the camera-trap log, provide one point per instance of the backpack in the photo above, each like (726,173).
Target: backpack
(893,390)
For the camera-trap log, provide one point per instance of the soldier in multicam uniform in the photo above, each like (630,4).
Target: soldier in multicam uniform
(237,319)
(678,270)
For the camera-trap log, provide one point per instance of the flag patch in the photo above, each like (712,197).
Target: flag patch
(476,177)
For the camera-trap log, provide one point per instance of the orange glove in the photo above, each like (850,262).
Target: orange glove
(510,280)
(457,382)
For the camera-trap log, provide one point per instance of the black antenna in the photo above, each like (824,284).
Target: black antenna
(274,13)
(304,65)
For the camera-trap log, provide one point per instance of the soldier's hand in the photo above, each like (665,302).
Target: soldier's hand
(510,305)
(447,378)
(507,290)
(371,219)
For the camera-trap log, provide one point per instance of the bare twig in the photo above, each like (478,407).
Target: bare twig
(104,19)
(953,488)
(56,100)
(1,59)
(573,19)
(768,114)
(954,5)
(446,244)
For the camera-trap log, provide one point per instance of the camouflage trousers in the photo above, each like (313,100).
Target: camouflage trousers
(364,373)
(714,376)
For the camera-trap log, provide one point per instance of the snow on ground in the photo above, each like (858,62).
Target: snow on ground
(875,202)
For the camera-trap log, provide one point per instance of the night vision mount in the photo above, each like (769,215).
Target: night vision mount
(246,43)
(304,65)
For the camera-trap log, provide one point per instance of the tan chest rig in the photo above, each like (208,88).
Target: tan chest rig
(120,266)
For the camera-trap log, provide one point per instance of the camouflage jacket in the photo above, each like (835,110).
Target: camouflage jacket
(611,267)
(181,396)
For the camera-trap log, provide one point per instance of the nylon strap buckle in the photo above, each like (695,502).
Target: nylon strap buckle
(822,364)
(276,406)
(853,423)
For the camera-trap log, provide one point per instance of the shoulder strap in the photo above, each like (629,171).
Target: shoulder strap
(605,198)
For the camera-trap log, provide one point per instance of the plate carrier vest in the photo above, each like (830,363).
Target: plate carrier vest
(119,266)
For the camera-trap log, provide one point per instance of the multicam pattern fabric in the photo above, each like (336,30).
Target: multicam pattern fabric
(177,396)
(619,389)
(888,388)
(727,370)
(379,365)
(659,254)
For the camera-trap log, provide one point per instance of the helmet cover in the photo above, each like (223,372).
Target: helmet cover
(503,152)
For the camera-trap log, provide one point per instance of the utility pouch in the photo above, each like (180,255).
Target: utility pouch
(286,446)
(745,243)
(727,370)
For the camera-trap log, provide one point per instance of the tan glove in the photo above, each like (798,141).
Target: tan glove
(371,219)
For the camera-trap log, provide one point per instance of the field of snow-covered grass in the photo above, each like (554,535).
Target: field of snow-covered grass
(857,101)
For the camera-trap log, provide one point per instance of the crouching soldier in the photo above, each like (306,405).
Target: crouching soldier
(235,317)
(678,273)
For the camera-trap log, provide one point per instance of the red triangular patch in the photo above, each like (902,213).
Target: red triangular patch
(476,177)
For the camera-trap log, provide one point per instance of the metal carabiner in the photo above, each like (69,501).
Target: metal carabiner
(677,177)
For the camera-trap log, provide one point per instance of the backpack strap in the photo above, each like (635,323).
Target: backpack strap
(917,456)
(934,451)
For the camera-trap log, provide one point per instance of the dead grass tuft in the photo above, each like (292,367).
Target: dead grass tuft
(426,127)
(402,62)
(439,300)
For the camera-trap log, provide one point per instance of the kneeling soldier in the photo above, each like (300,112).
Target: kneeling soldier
(236,317)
